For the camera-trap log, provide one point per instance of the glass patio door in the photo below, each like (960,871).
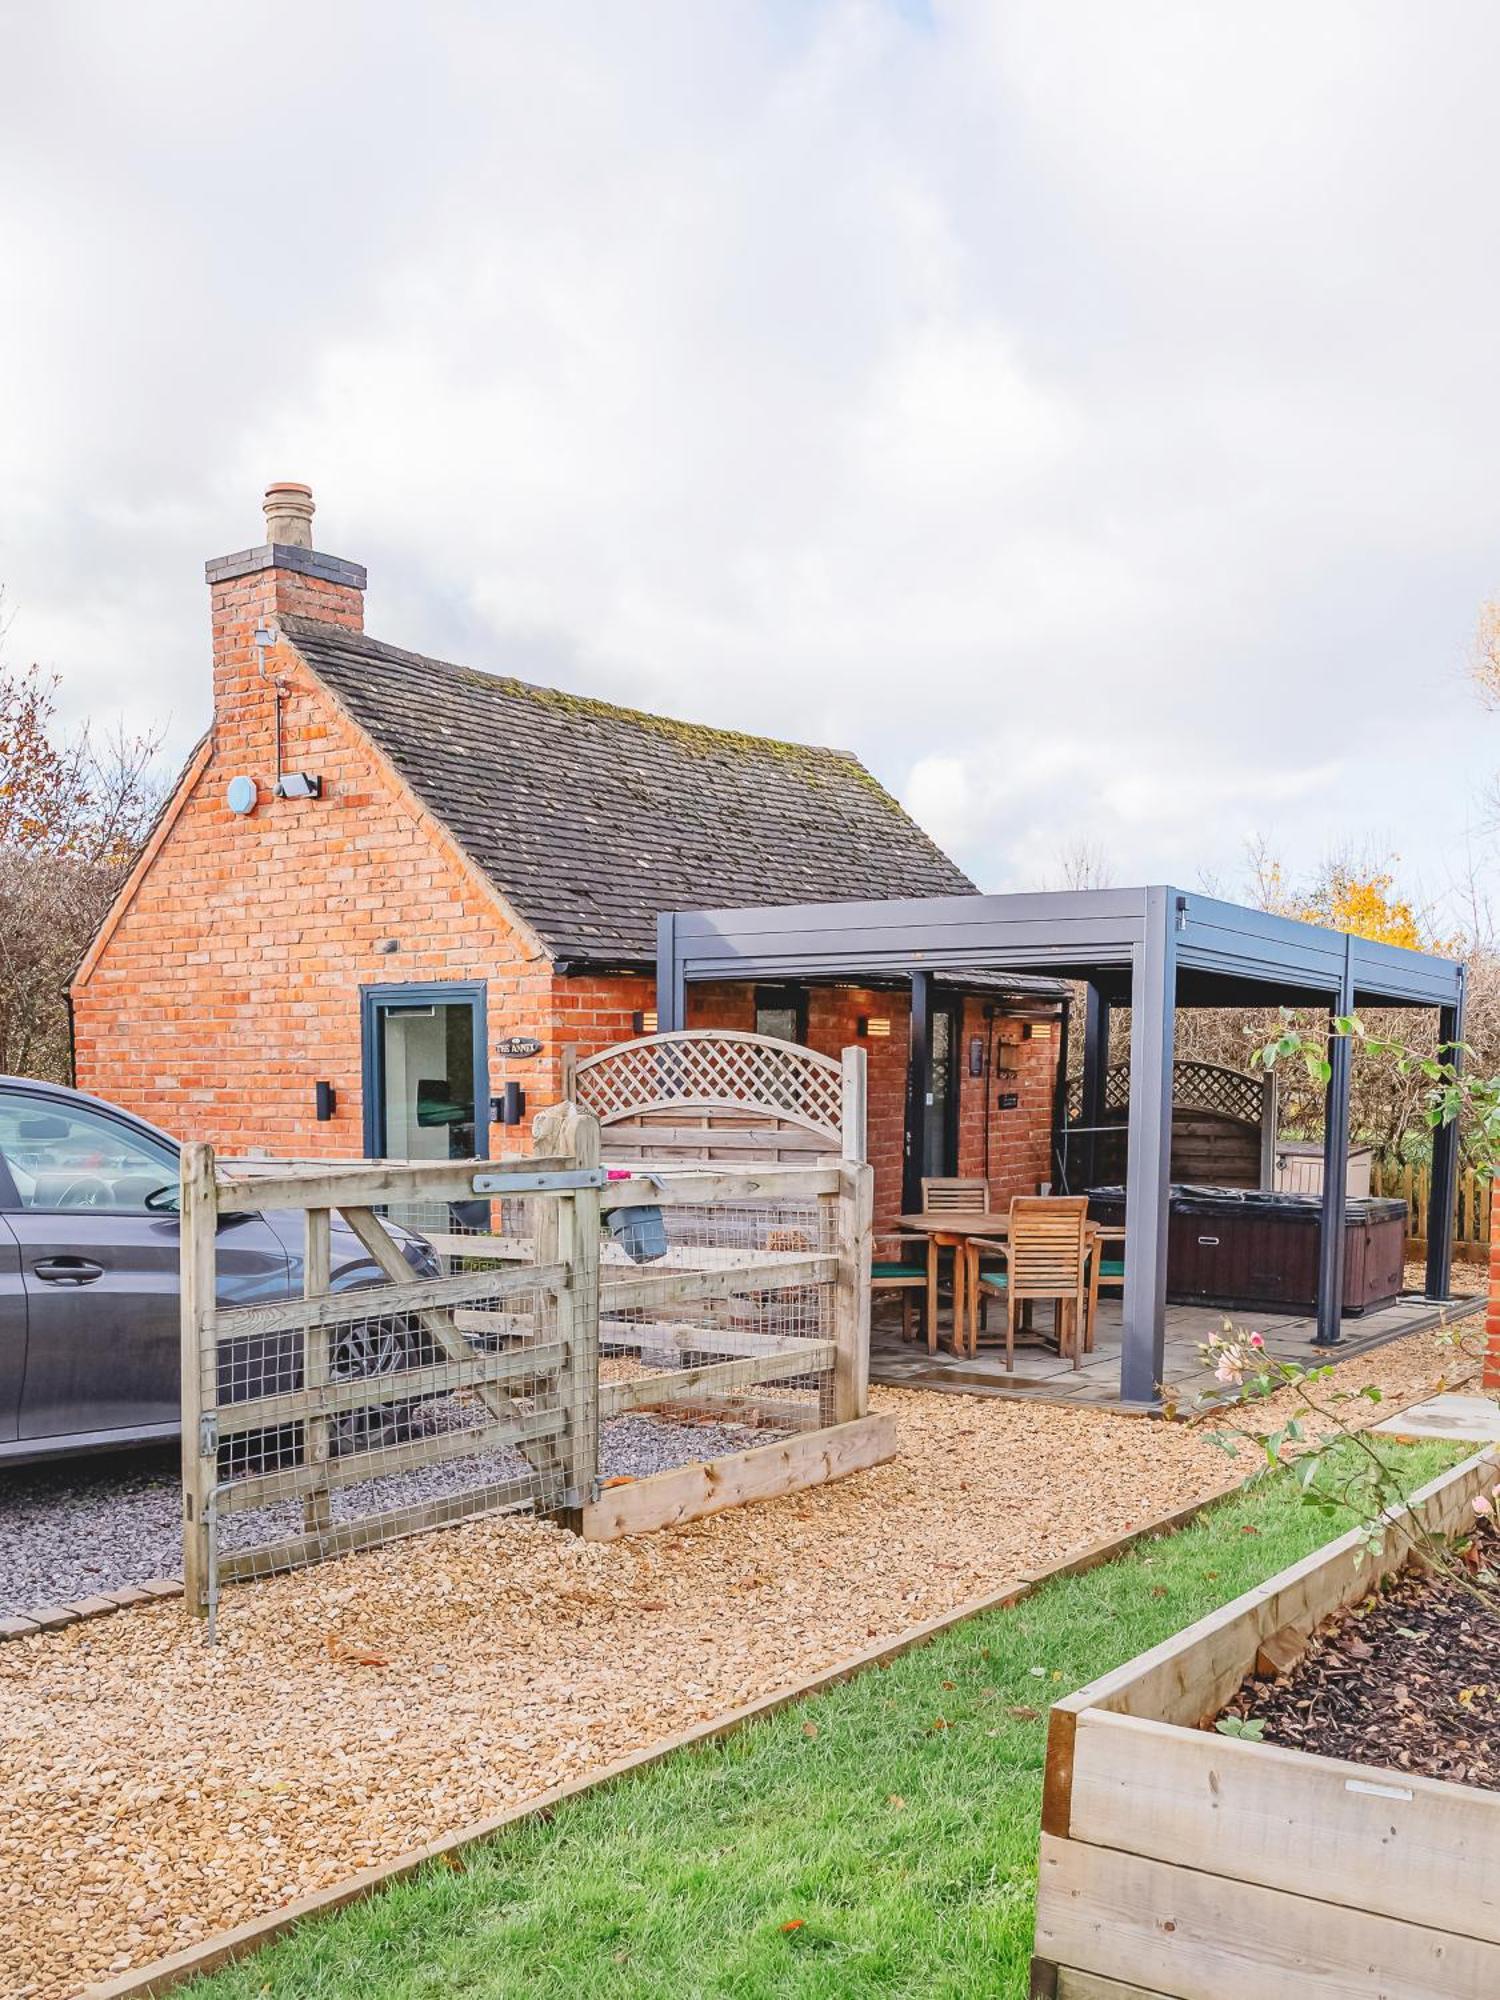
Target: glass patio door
(940,1118)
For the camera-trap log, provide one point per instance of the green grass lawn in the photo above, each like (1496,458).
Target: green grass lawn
(877,1839)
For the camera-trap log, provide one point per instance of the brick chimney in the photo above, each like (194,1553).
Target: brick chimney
(284,577)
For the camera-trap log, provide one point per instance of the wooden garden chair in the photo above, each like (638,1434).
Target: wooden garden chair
(1046,1254)
(1106,1267)
(950,1194)
(895,1274)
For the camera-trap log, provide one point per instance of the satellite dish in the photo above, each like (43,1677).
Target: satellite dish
(241,795)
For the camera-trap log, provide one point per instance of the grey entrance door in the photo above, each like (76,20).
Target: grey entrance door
(426,1078)
(425,1072)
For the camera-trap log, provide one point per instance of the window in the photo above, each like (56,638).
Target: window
(63,1155)
(781,1011)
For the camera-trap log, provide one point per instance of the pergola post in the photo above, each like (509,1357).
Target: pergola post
(918,1072)
(1095,1072)
(671,986)
(1061,1165)
(1335,1169)
(1153,1023)
(1444,1184)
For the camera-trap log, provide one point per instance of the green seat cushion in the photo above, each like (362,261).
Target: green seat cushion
(993,1274)
(897,1271)
(1111,1267)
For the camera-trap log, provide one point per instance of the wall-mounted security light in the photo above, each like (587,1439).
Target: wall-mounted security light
(299,785)
(875,1028)
(388,945)
(643,1021)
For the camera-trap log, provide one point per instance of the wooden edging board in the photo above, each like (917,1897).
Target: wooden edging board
(1180,1862)
(764,1472)
(167,1974)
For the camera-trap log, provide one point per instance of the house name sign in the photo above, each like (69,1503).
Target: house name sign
(516,1046)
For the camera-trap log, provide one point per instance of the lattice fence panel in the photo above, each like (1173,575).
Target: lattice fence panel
(1196,1086)
(712,1070)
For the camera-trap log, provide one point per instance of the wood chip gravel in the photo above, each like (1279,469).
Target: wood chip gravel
(154,1791)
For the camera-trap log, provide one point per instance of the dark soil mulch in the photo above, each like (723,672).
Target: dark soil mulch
(1409,1679)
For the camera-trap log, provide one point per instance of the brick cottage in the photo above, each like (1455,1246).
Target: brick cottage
(385,888)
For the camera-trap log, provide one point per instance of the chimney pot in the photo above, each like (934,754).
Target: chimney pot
(289,510)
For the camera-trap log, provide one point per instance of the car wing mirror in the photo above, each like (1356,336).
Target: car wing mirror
(168,1201)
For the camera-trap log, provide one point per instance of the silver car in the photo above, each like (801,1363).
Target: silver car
(89,1336)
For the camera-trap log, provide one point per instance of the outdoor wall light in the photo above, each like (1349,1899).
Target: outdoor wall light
(976,1055)
(327,1101)
(643,1021)
(509,1108)
(299,785)
(876,1029)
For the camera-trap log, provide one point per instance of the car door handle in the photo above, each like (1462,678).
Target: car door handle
(67,1271)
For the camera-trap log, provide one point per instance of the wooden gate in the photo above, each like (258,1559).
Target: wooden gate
(715,1095)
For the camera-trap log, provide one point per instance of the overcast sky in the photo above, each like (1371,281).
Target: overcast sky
(1087,413)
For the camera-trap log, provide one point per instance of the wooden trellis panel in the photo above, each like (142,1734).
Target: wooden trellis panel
(1223,1124)
(717,1095)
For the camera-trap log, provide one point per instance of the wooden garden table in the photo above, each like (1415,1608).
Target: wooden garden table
(961,1233)
(965,1235)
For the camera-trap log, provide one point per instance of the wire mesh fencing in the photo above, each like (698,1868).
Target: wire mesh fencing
(472,1337)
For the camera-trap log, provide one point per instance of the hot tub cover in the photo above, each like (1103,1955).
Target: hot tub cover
(1190,1200)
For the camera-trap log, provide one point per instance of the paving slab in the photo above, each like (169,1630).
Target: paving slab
(1470,1419)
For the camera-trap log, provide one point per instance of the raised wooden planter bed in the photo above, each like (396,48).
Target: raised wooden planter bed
(1179,1862)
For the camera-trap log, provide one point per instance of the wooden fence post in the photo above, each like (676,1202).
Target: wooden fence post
(198,1237)
(855,1209)
(317,1260)
(566,1231)
(854,1072)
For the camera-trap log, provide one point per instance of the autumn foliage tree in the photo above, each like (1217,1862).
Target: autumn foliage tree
(74,810)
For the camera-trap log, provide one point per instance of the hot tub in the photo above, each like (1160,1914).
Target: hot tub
(1243,1248)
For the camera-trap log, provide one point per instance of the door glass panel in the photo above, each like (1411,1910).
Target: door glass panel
(65,1156)
(781,1012)
(427,1060)
(937,1151)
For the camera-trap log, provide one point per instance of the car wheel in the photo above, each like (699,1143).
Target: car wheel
(389,1344)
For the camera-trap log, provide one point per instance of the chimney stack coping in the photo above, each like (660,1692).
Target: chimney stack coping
(286,555)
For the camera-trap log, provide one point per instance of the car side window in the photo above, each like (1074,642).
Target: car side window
(63,1155)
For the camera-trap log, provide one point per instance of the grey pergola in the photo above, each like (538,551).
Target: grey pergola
(1155,950)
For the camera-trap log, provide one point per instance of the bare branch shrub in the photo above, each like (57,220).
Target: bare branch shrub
(74,811)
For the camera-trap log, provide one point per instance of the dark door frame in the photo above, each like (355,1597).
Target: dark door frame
(421,993)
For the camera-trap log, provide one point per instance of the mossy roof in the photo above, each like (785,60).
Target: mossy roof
(591,819)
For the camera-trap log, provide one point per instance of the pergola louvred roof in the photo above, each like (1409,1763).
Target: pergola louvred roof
(1152,949)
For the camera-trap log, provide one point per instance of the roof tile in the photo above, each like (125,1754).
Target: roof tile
(591,819)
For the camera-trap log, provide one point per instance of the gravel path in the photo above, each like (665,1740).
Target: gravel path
(153,1790)
(82,1526)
